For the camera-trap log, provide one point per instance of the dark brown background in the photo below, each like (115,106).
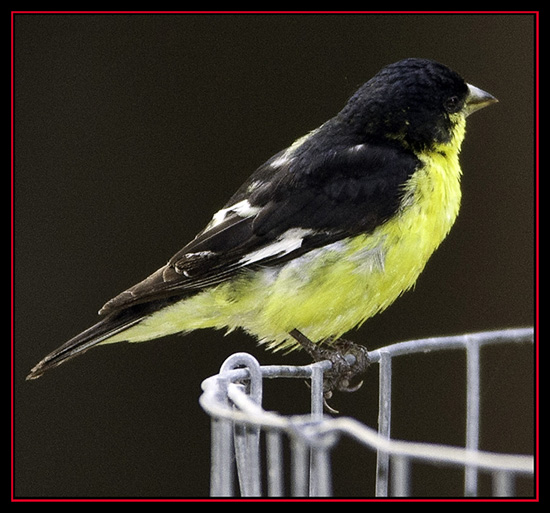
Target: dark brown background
(131,130)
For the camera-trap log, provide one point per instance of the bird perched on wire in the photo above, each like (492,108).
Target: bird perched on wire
(324,235)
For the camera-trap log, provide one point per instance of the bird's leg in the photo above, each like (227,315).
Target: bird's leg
(342,372)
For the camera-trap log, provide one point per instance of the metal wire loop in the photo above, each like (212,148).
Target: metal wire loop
(233,400)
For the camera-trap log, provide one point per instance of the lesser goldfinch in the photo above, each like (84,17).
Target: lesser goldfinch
(325,234)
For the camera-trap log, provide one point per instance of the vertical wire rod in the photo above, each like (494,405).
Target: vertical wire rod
(320,480)
(400,476)
(472,413)
(316,392)
(384,423)
(300,467)
(221,472)
(319,464)
(247,457)
(275,471)
(503,484)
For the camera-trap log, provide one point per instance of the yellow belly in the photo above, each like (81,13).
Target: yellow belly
(334,289)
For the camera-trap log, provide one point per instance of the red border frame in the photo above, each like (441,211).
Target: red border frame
(536,498)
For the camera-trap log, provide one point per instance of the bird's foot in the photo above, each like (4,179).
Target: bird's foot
(340,376)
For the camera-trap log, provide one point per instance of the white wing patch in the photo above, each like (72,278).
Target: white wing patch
(242,208)
(289,241)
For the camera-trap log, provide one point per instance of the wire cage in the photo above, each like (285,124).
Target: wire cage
(233,400)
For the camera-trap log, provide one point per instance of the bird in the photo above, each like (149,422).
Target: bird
(321,237)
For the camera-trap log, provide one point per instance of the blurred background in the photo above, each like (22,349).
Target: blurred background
(131,130)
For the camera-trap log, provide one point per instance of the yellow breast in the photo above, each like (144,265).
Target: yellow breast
(331,290)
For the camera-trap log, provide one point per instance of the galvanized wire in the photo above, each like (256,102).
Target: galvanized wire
(233,400)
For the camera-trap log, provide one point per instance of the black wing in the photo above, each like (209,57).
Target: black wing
(286,208)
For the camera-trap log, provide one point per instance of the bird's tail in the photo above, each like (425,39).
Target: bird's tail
(107,327)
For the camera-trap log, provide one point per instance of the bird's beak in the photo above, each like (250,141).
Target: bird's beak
(477,99)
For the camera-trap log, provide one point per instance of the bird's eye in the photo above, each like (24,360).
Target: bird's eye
(452,104)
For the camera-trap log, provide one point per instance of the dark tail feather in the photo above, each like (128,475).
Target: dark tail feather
(110,325)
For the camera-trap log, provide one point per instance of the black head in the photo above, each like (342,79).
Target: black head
(412,100)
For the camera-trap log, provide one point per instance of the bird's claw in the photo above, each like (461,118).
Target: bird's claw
(339,377)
